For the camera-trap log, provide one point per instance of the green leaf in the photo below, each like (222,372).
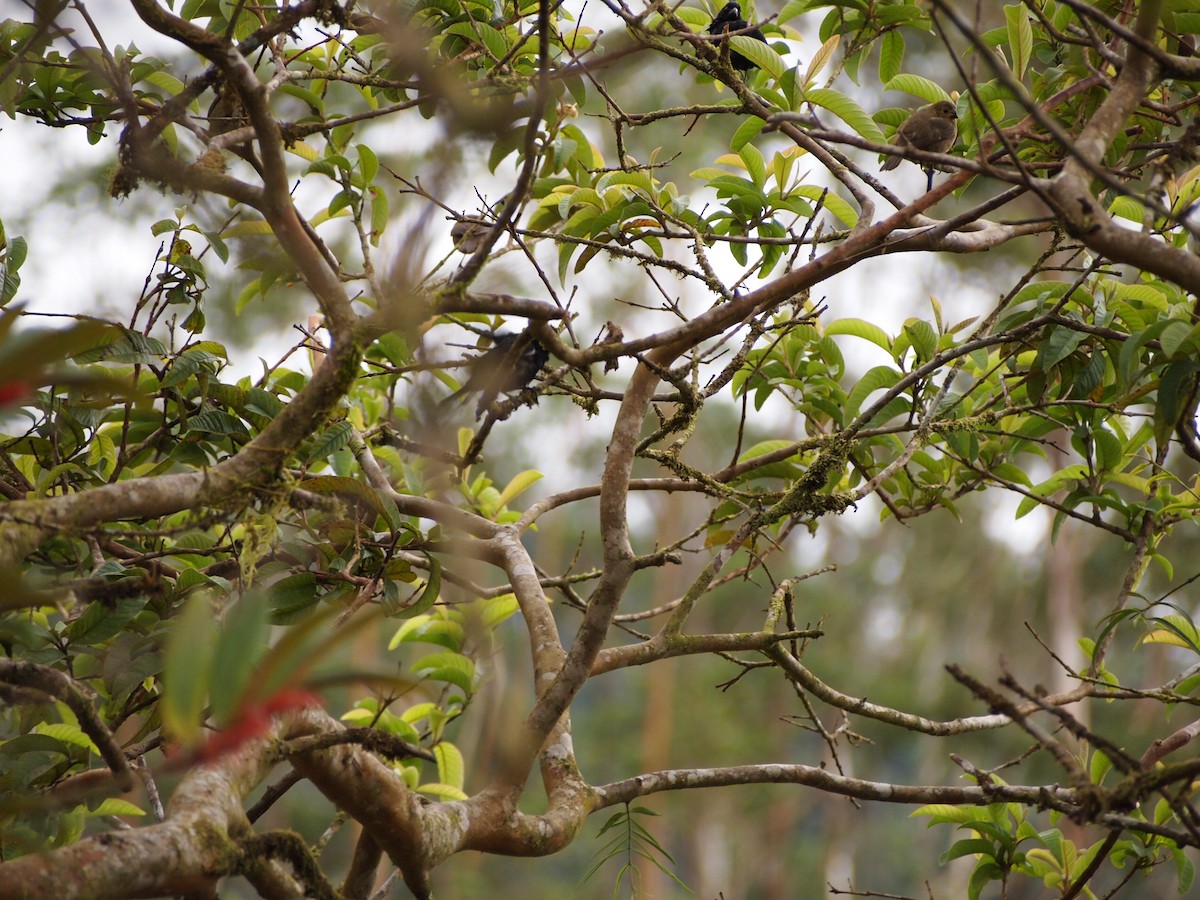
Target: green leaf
(187,670)
(115,806)
(1180,338)
(290,597)
(447,633)
(762,55)
(1060,343)
(784,469)
(429,594)
(1012,473)
(638,179)
(1173,389)
(330,441)
(923,338)
(831,201)
(565,252)
(407,631)
(860,328)
(891,55)
(1127,208)
(846,110)
(243,638)
(755,164)
(16,250)
(519,483)
(1020,38)
(444,791)
(368,163)
(943,813)
(496,609)
(219,422)
(1110,452)
(451,769)
(477,31)
(380,213)
(1174,630)
(1185,870)
(967,847)
(100,621)
(793,8)
(1098,766)
(878,378)
(67,733)
(165,80)
(985,872)
(746,132)
(452,668)
(184,367)
(929,91)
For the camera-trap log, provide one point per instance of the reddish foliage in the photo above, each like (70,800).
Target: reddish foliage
(254,721)
(11,391)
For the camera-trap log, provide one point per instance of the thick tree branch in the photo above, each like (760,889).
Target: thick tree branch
(185,854)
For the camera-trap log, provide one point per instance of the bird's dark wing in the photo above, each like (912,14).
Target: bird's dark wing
(510,364)
(730,19)
(483,369)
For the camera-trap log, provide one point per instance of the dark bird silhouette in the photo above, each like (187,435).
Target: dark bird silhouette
(729,19)
(933,127)
(510,364)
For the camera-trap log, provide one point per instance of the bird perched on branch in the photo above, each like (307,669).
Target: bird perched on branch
(510,364)
(933,128)
(729,19)
(468,234)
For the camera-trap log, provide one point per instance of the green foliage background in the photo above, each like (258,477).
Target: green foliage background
(1049,378)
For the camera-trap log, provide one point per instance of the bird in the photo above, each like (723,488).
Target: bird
(468,234)
(933,127)
(730,19)
(508,365)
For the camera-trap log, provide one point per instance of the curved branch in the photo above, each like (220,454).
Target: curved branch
(185,854)
(57,685)
(796,671)
(559,772)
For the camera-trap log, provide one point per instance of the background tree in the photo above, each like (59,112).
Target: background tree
(230,583)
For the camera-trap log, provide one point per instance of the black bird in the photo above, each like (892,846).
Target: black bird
(508,365)
(730,19)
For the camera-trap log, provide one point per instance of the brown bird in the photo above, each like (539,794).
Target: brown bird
(468,234)
(933,128)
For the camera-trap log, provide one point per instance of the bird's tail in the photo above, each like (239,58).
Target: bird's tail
(458,398)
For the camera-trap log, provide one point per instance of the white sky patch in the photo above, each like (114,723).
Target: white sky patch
(887,568)
(1026,536)
(883,624)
